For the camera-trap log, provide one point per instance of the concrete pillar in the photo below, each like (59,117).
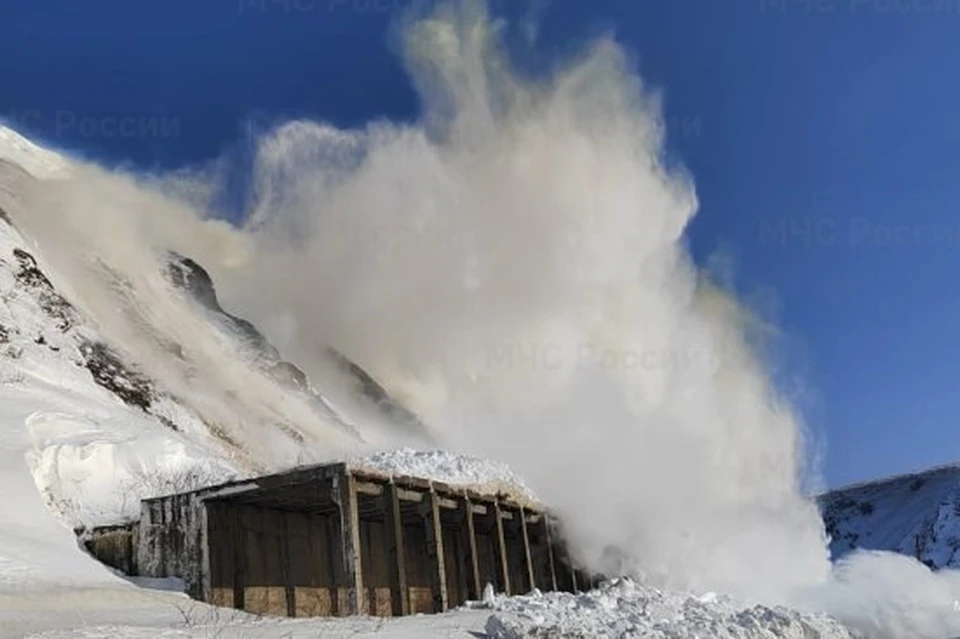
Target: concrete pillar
(346,494)
(398,571)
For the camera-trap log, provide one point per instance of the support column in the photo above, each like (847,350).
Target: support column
(239,538)
(473,561)
(435,541)
(286,568)
(549,538)
(398,571)
(334,534)
(350,536)
(501,548)
(531,578)
(206,589)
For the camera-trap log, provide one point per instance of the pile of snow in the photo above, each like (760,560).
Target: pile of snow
(623,608)
(449,468)
(916,514)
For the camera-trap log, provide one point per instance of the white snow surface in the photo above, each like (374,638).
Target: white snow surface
(73,454)
(624,608)
(34,159)
(450,468)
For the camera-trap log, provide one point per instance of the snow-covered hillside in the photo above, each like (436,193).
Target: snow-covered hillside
(916,514)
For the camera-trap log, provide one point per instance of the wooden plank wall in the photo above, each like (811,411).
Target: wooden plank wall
(455,564)
(115,546)
(274,562)
(375,559)
(281,563)
(516,559)
(488,556)
(418,565)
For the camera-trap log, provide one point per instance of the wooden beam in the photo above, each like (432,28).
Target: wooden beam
(350,537)
(501,548)
(398,571)
(369,488)
(449,504)
(473,560)
(531,578)
(409,495)
(435,541)
(206,591)
(334,559)
(286,569)
(239,538)
(553,567)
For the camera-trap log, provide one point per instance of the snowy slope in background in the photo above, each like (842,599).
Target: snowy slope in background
(916,514)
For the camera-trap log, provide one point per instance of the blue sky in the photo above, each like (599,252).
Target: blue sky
(823,136)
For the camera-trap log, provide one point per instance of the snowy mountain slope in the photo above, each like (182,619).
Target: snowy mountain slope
(916,514)
(157,303)
(72,452)
(191,277)
(79,414)
(167,347)
(34,159)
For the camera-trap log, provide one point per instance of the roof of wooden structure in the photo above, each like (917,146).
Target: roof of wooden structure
(306,489)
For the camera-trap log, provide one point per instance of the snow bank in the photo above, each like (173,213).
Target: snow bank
(96,472)
(622,608)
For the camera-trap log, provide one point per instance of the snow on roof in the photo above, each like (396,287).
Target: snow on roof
(442,466)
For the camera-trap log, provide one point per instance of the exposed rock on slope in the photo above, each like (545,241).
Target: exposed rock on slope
(106,367)
(29,276)
(188,275)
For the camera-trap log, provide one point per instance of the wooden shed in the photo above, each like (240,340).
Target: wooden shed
(337,540)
